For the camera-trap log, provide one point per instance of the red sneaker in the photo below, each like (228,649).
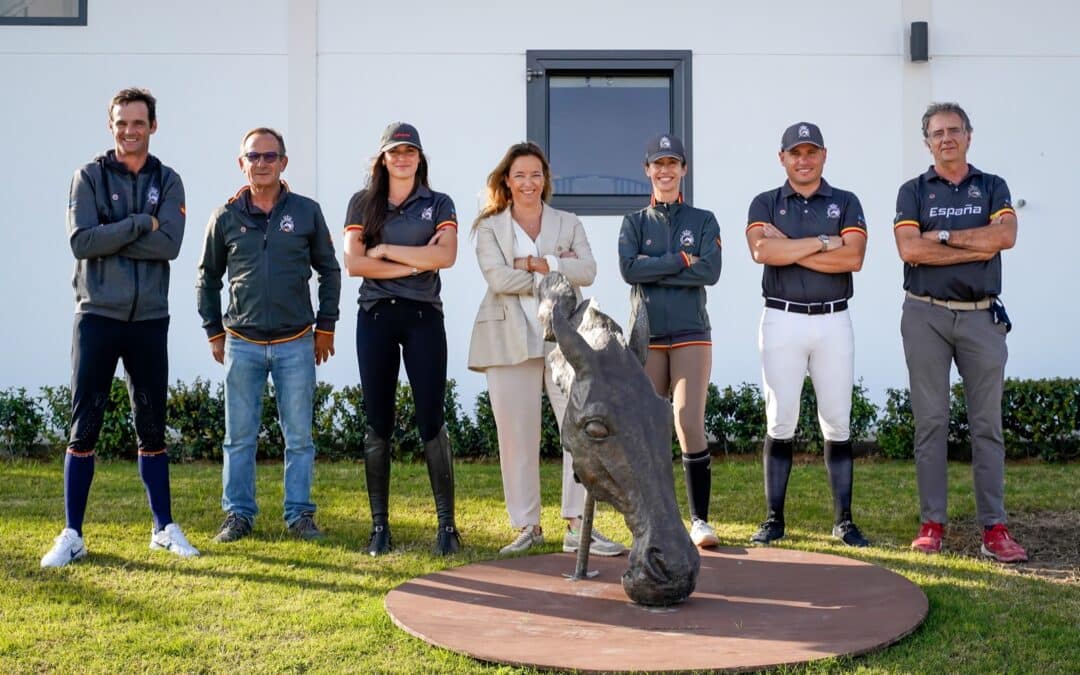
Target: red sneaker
(929,538)
(999,545)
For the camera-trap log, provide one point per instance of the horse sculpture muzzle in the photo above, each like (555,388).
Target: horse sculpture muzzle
(619,433)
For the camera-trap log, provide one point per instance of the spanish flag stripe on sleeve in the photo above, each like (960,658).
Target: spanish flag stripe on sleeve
(1001,212)
(354,227)
(856,230)
(906,223)
(446,223)
(754,224)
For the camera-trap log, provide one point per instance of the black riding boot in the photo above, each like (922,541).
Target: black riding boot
(776,457)
(697,472)
(840,464)
(440,465)
(377,471)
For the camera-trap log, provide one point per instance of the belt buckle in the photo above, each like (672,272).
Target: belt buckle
(815,308)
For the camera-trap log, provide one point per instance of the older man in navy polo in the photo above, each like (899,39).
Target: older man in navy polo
(952,223)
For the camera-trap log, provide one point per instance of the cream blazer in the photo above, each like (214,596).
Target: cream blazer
(499,336)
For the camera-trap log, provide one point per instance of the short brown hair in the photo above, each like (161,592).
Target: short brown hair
(134,95)
(264,130)
(938,108)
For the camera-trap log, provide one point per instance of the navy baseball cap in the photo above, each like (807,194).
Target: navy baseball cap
(799,133)
(665,145)
(399,133)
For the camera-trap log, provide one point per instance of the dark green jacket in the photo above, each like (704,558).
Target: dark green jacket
(121,262)
(674,288)
(269,258)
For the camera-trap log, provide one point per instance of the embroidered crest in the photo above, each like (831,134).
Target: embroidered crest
(686,238)
(286,223)
(973,192)
(933,195)
(665,143)
(426,213)
(152,195)
(833,211)
(804,131)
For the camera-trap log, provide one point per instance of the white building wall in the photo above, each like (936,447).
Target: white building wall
(331,74)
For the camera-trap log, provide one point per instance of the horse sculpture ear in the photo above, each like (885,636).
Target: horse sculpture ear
(574,348)
(638,341)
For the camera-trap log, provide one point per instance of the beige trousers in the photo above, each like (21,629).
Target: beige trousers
(515,401)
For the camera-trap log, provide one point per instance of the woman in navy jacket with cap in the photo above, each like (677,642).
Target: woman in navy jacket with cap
(672,250)
(398,235)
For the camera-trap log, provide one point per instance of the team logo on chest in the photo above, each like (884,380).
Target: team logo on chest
(973,192)
(286,224)
(152,195)
(426,213)
(686,238)
(833,211)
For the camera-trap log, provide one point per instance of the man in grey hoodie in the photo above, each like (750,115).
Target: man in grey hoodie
(125,223)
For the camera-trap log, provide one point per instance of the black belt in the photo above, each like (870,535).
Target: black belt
(806,308)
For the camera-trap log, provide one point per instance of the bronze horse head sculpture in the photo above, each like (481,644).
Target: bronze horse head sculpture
(619,433)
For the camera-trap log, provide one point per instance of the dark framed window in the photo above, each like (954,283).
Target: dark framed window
(593,113)
(43,12)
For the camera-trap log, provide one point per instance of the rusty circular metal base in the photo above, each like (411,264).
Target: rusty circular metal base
(753,608)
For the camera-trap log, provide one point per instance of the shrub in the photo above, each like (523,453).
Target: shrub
(896,429)
(56,406)
(735,417)
(346,415)
(197,418)
(20,420)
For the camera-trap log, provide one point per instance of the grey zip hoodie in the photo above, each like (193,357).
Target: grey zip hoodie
(121,262)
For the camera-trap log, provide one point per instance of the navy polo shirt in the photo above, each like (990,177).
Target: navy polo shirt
(413,223)
(930,202)
(830,211)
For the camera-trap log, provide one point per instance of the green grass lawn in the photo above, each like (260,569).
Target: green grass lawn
(273,604)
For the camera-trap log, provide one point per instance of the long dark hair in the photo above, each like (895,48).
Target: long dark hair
(377,193)
(498,192)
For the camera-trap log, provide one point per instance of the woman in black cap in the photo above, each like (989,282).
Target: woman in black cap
(672,250)
(398,235)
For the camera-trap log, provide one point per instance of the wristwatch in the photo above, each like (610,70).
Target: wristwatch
(943,236)
(824,238)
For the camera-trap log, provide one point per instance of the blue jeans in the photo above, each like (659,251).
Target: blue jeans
(292,367)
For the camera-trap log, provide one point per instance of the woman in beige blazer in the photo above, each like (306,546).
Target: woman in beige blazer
(519,239)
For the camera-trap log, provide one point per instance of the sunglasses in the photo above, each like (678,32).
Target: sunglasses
(268,157)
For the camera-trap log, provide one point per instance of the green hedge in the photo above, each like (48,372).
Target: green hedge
(1041,420)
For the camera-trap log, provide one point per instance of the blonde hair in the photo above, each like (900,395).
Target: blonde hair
(498,192)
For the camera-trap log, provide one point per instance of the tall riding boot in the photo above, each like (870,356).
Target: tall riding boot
(776,457)
(697,472)
(440,465)
(840,463)
(377,471)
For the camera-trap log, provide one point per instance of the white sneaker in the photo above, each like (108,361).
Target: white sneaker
(702,534)
(600,545)
(528,536)
(170,538)
(68,547)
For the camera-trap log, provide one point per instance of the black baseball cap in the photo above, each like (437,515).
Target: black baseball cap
(399,133)
(799,133)
(665,145)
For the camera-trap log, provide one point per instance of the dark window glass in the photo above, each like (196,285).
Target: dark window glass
(43,12)
(594,111)
(598,125)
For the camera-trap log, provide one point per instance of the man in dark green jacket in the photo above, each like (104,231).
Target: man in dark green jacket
(268,239)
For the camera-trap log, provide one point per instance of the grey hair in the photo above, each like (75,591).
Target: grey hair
(937,108)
